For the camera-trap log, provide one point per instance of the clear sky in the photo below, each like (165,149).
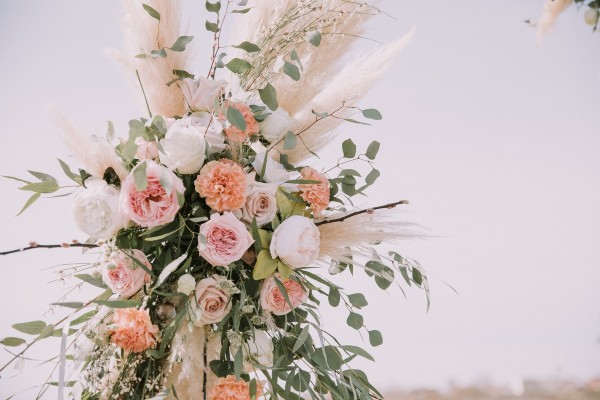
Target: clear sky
(493,139)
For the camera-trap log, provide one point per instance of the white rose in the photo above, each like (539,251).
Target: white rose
(258,350)
(296,242)
(183,148)
(274,171)
(186,284)
(212,128)
(200,94)
(276,125)
(96,209)
(260,203)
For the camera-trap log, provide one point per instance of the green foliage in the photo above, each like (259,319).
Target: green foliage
(248,47)
(291,70)
(268,95)
(314,38)
(213,7)
(151,11)
(238,66)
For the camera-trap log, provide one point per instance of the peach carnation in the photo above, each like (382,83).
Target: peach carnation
(236,135)
(316,194)
(229,388)
(223,183)
(133,330)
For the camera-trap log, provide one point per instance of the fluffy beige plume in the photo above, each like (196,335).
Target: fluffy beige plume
(360,233)
(142,34)
(186,361)
(96,154)
(552,9)
(352,82)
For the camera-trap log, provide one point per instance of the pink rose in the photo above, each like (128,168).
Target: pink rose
(133,330)
(271,298)
(315,194)
(146,150)
(156,205)
(213,303)
(226,239)
(123,275)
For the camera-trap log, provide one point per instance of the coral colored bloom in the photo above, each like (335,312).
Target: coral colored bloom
(133,330)
(271,298)
(229,388)
(316,194)
(152,206)
(237,135)
(223,183)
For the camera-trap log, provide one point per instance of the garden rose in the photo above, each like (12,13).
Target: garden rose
(186,283)
(237,135)
(226,239)
(212,128)
(123,275)
(184,147)
(155,205)
(133,330)
(271,298)
(223,183)
(296,242)
(259,349)
(274,171)
(200,94)
(315,194)
(145,150)
(213,304)
(96,209)
(276,125)
(229,388)
(260,203)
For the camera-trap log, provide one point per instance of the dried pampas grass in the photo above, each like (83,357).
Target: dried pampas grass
(95,153)
(355,236)
(552,9)
(142,34)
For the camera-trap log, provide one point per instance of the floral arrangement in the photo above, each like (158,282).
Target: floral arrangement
(215,234)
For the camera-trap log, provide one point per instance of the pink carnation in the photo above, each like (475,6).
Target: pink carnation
(223,183)
(133,330)
(229,388)
(235,134)
(271,298)
(155,205)
(226,239)
(315,194)
(123,275)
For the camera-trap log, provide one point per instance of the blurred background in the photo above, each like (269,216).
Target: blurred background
(492,138)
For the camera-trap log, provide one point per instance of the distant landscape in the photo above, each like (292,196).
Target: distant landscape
(525,390)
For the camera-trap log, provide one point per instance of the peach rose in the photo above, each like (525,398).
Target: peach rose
(133,330)
(213,304)
(223,183)
(271,298)
(315,194)
(260,203)
(226,239)
(229,388)
(235,134)
(123,275)
(155,205)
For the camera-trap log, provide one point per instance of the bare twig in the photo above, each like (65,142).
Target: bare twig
(50,246)
(355,213)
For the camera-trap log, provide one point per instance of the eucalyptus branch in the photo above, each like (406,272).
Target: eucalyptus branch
(217,43)
(34,245)
(355,213)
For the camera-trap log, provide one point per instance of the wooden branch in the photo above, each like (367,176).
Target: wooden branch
(355,213)
(34,245)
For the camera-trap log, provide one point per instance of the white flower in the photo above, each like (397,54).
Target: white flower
(259,350)
(186,284)
(183,148)
(274,171)
(276,125)
(201,94)
(260,203)
(296,242)
(96,209)
(212,128)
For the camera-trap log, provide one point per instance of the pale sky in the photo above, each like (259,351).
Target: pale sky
(493,139)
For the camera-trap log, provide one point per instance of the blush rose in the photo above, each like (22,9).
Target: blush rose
(123,275)
(212,303)
(271,298)
(226,239)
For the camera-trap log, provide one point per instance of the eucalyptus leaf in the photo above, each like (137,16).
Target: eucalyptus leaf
(301,339)
(160,53)
(291,70)
(92,280)
(314,38)
(358,300)
(181,43)
(42,176)
(151,11)
(372,176)
(349,148)
(140,177)
(242,11)
(117,303)
(213,7)
(12,341)
(30,328)
(375,338)
(372,113)
(358,351)
(236,118)
(248,47)
(334,297)
(41,187)
(372,150)
(268,95)
(328,358)
(289,141)
(69,304)
(211,26)
(355,320)
(29,202)
(238,66)
(265,265)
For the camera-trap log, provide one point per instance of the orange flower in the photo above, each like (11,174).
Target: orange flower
(235,134)
(316,194)
(133,330)
(229,388)
(223,183)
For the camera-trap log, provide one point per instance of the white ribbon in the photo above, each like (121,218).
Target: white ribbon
(63,359)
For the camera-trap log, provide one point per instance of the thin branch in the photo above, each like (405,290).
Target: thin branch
(50,246)
(355,213)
